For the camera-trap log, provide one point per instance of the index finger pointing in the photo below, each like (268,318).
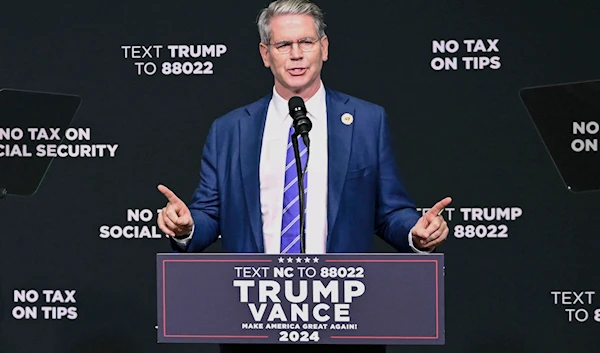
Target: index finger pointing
(170,195)
(438,207)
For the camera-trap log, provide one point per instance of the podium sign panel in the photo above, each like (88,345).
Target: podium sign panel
(310,299)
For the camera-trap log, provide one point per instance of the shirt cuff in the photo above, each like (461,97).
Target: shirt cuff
(410,242)
(185,241)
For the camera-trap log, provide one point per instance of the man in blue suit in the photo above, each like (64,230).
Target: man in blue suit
(248,192)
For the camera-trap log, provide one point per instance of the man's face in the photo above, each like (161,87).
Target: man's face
(295,62)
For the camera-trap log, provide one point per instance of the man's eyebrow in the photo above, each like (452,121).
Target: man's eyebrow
(289,41)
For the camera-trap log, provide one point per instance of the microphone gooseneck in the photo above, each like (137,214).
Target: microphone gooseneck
(302,125)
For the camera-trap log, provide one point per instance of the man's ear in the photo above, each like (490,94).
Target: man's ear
(324,48)
(264,54)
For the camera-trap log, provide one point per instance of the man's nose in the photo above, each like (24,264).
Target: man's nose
(296,53)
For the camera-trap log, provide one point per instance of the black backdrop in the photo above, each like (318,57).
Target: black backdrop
(460,133)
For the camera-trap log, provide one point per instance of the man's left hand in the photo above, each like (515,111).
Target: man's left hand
(431,229)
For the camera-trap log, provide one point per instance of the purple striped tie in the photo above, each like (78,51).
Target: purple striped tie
(290,221)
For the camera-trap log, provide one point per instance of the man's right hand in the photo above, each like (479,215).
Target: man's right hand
(175,218)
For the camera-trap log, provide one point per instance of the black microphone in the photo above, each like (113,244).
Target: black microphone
(301,122)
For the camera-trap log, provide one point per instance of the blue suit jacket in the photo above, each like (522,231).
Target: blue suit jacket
(365,195)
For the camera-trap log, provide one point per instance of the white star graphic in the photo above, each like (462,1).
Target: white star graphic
(280,260)
(298,260)
(307,260)
(289,260)
(315,259)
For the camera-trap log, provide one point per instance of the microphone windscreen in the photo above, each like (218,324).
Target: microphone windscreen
(296,104)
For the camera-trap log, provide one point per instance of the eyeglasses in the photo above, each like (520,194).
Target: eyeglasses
(285,46)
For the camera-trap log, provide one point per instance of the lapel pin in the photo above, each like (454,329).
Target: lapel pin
(347,118)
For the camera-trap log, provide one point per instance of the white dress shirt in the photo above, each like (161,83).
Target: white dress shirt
(272,174)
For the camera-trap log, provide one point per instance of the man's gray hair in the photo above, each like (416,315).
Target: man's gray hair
(288,7)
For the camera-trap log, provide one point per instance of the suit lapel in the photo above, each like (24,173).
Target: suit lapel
(251,136)
(339,141)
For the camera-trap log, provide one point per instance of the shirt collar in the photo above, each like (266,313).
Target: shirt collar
(313,104)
